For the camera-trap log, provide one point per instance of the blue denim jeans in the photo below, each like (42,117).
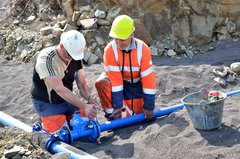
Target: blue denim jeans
(49,109)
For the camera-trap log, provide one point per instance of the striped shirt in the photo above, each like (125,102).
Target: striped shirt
(49,64)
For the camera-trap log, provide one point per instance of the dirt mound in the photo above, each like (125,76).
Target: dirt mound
(16,143)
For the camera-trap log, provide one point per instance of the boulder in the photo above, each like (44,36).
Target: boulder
(235,67)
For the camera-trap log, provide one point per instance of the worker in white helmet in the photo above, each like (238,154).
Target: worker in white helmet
(55,70)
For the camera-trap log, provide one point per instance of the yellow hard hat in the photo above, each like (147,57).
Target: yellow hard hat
(122,27)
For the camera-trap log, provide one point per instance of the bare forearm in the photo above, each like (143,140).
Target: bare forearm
(84,92)
(70,97)
(82,84)
(55,82)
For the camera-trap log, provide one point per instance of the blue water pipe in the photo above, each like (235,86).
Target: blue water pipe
(138,118)
(233,93)
(10,121)
(75,153)
(82,127)
(54,147)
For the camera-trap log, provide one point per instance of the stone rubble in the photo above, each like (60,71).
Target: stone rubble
(225,76)
(21,38)
(15,143)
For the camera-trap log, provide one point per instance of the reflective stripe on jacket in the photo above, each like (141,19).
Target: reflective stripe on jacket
(142,70)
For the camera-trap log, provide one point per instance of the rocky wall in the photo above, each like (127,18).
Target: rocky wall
(170,27)
(186,19)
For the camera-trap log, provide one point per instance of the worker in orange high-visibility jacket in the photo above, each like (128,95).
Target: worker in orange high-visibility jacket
(129,79)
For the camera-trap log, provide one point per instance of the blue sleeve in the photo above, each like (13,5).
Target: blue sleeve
(149,101)
(117,99)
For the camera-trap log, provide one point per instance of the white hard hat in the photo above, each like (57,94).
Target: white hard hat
(74,42)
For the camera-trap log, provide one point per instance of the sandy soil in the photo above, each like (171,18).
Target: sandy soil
(167,137)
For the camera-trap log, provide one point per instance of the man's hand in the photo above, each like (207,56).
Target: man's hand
(90,111)
(116,114)
(148,114)
(91,99)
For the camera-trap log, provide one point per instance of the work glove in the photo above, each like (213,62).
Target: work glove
(116,114)
(148,114)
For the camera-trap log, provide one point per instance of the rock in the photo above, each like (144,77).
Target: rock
(171,53)
(101,6)
(231,27)
(30,19)
(76,15)
(23,152)
(44,15)
(236,35)
(92,59)
(91,14)
(60,17)
(89,23)
(12,152)
(232,79)
(84,15)
(181,29)
(211,48)
(39,138)
(16,22)
(161,52)
(141,32)
(28,153)
(100,14)
(2,42)
(154,50)
(235,67)
(220,72)
(46,31)
(222,30)
(9,38)
(8,50)
(113,13)
(93,46)
(220,81)
(8,57)
(189,53)
(56,32)
(99,40)
(19,145)
(86,8)
(99,53)
(76,6)
(230,71)
(103,22)
(224,36)
(67,7)
(61,24)
(69,27)
(87,55)
(23,55)
(174,24)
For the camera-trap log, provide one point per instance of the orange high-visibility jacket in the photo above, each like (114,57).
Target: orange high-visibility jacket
(142,70)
